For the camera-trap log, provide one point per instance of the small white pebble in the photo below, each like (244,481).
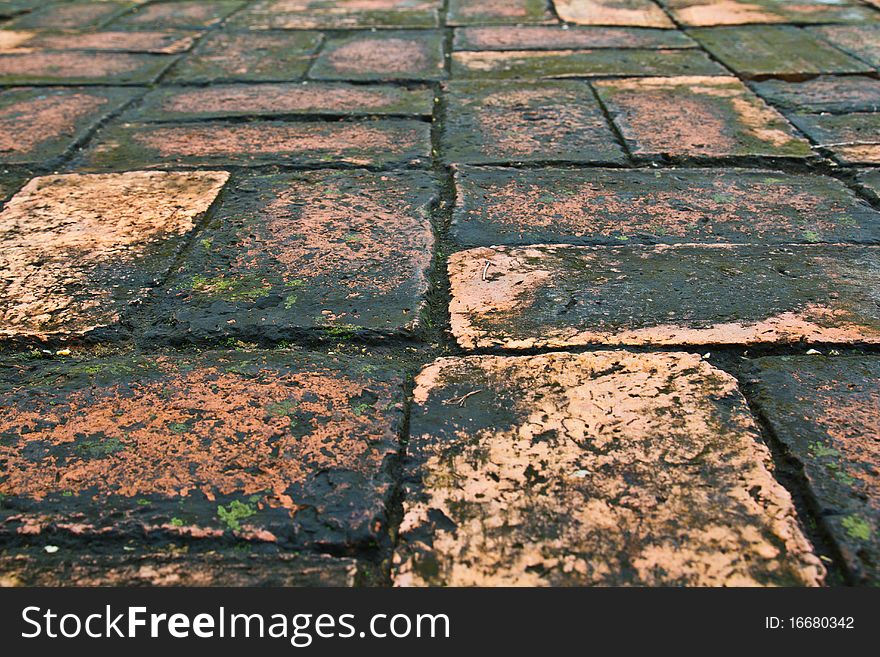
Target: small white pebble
(814,352)
(707,355)
(51,549)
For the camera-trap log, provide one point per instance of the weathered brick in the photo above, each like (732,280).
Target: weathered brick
(75,67)
(192,14)
(555,295)
(158,43)
(37,126)
(526,121)
(77,249)
(333,14)
(708,13)
(613,206)
(248,56)
(338,251)
(605,468)
(270,447)
(758,51)
(826,411)
(851,138)
(387,55)
(827,93)
(498,12)
(378,143)
(581,63)
(313,98)
(689,118)
(634,13)
(862,41)
(870,181)
(554,37)
(71,16)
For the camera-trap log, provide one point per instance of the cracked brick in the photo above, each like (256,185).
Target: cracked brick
(851,138)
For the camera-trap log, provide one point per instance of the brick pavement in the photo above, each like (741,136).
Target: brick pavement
(425,292)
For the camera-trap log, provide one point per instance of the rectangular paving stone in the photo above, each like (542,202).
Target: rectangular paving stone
(582,63)
(634,13)
(313,98)
(862,41)
(604,468)
(758,51)
(337,15)
(531,121)
(78,249)
(377,143)
(562,296)
(498,12)
(158,43)
(555,37)
(826,411)
(386,55)
(38,126)
(852,138)
(690,118)
(76,67)
(826,93)
(192,14)
(699,13)
(248,56)
(71,15)
(280,447)
(613,206)
(341,251)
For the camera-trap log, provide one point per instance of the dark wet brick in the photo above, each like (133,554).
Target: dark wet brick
(341,251)
(71,15)
(836,94)
(378,143)
(321,98)
(498,12)
(604,468)
(385,55)
(862,41)
(870,181)
(759,51)
(633,13)
(553,37)
(78,249)
(9,184)
(75,67)
(526,121)
(581,63)
(826,411)
(851,138)
(556,296)
(159,43)
(191,14)
(689,118)
(248,56)
(740,12)
(276,447)
(613,206)
(37,126)
(330,14)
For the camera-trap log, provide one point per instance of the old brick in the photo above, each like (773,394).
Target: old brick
(77,249)
(826,411)
(862,41)
(870,182)
(71,16)
(708,13)
(498,12)
(826,93)
(75,67)
(851,138)
(555,295)
(387,55)
(554,37)
(633,13)
(333,14)
(605,468)
(526,121)
(159,43)
(689,118)
(192,14)
(613,206)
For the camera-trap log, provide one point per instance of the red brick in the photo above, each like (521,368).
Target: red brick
(554,37)
(498,12)
(633,13)
(74,67)
(188,14)
(159,43)
(386,55)
(740,12)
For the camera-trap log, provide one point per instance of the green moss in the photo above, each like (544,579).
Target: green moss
(177,522)
(856,528)
(235,512)
(99,447)
(238,288)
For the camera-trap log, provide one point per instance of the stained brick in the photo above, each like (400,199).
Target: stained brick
(379,143)
(74,67)
(159,43)
(613,206)
(37,126)
(634,13)
(555,296)
(280,448)
(740,12)
(331,14)
(835,94)
(688,118)
(852,138)
(498,12)
(826,411)
(553,37)
(862,41)
(606,468)
(335,250)
(387,55)
(526,121)
(192,14)
(759,51)
(71,16)
(78,249)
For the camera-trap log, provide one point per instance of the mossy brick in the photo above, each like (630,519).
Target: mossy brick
(536,121)
(191,14)
(335,15)
(498,12)
(565,296)
(708,13)
(157,43)
(39,125)
(602,468)
(861,41)
(67,16)
(267,448)
(826,412)
(759,51)
(247,57)
(602,62)
(851,138)
(325,252)
(73,67)
(826,93)
(381,55)
(78,249)
(665,206)
(284,99)
(632,13)
(693,118)
(209,143)
(555,37)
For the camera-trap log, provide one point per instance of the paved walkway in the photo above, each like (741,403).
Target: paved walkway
(426,292)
